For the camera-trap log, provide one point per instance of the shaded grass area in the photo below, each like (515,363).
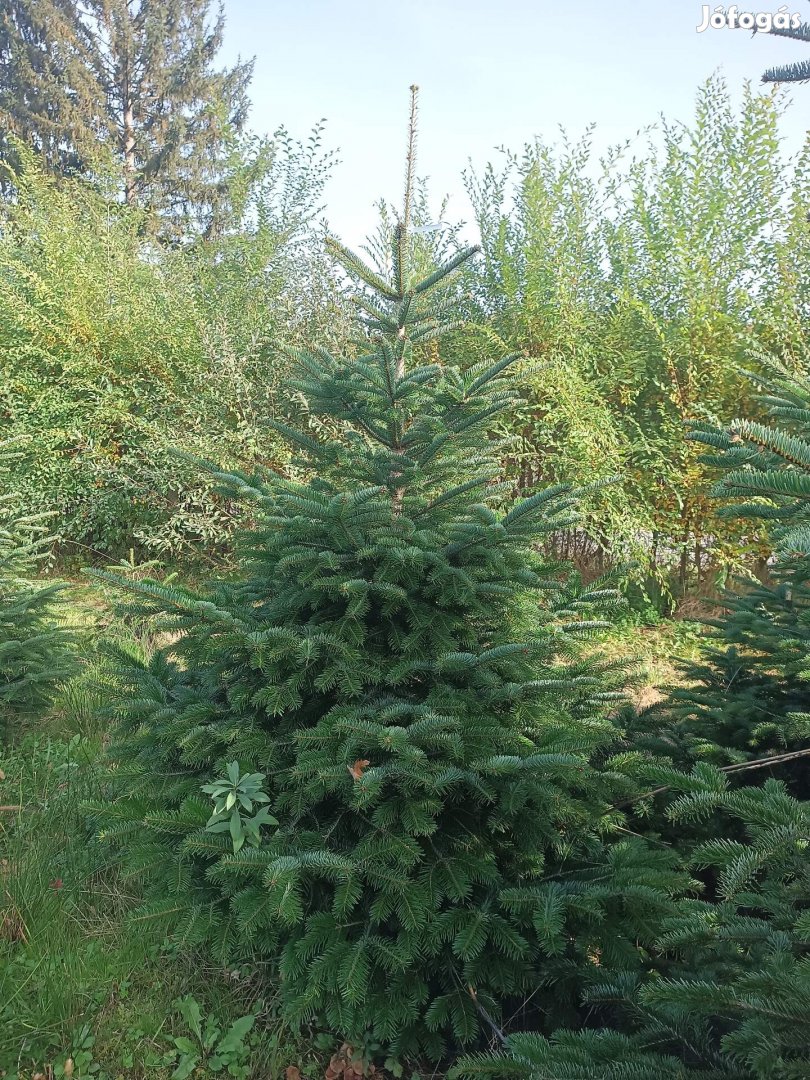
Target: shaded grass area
(653,647)
(84,991)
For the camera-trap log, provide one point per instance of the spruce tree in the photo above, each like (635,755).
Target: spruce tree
(397,663)
(137,80)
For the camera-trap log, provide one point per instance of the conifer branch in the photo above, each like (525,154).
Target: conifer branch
(410,167)
(739,766)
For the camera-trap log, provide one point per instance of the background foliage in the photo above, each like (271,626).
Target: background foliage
(116,351)
(641,281)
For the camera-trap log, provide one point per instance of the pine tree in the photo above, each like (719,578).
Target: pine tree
(135,79)
(399,662)
(34,652)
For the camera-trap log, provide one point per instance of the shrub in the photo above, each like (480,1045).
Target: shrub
(118,352)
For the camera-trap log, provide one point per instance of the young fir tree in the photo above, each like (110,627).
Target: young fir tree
(746,694)
(34,653)
(749,692)
(399,662)
(734,1000)
(726,991)
(135,80)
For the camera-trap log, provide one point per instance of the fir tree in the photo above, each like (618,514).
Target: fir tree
(400,662)
(795,72)
(734,998)
(726,992)
(135,79)
(746,694)
(751,693)
(34,653)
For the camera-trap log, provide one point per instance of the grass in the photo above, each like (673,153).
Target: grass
(654,647)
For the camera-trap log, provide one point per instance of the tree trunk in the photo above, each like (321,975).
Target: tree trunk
(128,138)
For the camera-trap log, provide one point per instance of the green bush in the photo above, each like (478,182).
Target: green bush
(638,282)
(117,352)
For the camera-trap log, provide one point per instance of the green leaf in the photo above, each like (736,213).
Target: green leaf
(189,1009)
(233,1040)
(186,1046)
(185,1068)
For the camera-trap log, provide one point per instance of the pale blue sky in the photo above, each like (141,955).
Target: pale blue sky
(491,73)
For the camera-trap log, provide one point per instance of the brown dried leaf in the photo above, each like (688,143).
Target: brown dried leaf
(358,768)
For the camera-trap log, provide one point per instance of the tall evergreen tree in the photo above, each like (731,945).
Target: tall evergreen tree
(134,77)
(398,662)
(49,85)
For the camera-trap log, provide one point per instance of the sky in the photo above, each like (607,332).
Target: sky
(491,73)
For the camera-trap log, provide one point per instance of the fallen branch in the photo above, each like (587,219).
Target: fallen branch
(744,766)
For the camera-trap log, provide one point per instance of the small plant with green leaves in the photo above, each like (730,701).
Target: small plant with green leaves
(80,1063)
(234,798)
(209,1046)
